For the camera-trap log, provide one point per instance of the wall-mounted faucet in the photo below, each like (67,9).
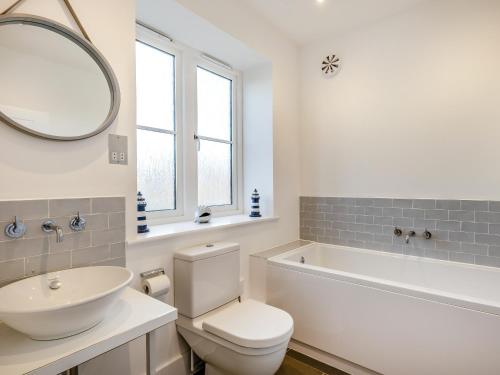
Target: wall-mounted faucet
(50,226)
(409,235)
(398,232)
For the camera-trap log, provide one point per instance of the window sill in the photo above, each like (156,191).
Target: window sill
(165,231)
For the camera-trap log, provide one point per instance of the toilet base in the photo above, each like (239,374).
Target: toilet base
(222,360)
(211,370)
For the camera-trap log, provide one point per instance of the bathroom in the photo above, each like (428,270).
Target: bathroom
(368,129)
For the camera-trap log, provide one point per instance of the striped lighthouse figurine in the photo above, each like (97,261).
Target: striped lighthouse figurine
(255,205)
(142,222)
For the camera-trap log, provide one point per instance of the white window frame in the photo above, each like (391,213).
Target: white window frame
(155,40)
(236,139)
(186,62)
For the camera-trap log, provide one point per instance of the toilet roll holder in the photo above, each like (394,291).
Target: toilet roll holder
(152,273)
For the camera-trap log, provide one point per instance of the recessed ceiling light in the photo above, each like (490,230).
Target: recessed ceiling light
(320,1)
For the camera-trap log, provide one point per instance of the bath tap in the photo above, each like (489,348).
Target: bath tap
(50,226)
(409,235)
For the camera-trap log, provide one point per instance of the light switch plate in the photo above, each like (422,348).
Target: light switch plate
(118,149)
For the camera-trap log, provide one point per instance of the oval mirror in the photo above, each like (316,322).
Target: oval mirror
(55,84)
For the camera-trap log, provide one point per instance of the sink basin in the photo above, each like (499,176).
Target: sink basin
(64,303)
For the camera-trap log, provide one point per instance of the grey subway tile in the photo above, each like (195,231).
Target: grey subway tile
(448,225)
(402,203)
(364,219)
(468,226)
(437,254)
(488,239)
(345,235)
(11,270)
(461,257)
(362,236)
(374,211)
(85,257)
(48,263)
(474,205)
(424,203)
(373,228)
(72,241)
(113,204)
(493,229)
(383,220)
(353,227)
(364,202)
(24,210)
(494,206)
(488,217)
(69,207)
(493,251)
(382,202)
(118,262)
(448,245)
(448,204)
(403,222)
(117,220)
(21,248)
(382,238)
(474,248)
(436,214)
(423,224)
(462,215)
(462,236)
(392,211)
(415,213)
(354,210)
(338,209)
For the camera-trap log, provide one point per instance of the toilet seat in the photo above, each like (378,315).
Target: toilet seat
(249,327)
(250,324)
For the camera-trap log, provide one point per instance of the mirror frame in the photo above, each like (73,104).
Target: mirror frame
(91,50)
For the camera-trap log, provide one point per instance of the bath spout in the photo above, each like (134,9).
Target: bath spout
(409,235)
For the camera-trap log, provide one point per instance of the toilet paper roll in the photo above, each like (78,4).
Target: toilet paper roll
(156,286)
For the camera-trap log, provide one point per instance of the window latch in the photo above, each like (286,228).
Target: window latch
(197,140)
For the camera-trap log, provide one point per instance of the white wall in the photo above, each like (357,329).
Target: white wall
(35,168)
(414,111)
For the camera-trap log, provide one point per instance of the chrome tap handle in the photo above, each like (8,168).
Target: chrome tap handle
(77,223)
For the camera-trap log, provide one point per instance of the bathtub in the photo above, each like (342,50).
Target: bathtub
(390,313)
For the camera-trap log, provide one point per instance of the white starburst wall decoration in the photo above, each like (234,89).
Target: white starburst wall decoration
(331,65)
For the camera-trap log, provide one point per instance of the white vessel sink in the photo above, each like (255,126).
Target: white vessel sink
(80,299)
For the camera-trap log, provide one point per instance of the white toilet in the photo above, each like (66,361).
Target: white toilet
(232,337)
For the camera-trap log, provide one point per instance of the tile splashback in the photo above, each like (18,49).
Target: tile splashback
(101,243)
(462,230)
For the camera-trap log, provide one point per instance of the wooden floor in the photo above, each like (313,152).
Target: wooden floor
(296,363)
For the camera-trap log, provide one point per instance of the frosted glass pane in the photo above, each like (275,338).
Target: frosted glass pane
(156,169)
(214,105)
(214,173)
(155,72)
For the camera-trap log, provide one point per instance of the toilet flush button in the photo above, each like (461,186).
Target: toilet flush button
(209,245)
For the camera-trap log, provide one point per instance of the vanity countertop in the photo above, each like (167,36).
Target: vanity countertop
(132,316)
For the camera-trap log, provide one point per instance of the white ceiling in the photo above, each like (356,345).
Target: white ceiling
(307,20)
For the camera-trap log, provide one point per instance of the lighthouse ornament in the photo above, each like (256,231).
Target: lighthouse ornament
(142,223)
(255,205)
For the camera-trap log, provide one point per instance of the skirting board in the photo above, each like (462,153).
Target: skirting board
(330,359)
(178,366)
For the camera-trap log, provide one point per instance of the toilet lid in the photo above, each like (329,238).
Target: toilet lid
(251,324)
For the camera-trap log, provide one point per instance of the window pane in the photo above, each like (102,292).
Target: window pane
(214,105)
(156,169)
(214,174)
(155,78)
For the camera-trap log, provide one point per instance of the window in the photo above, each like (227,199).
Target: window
(188,131)
(156,130)
(214,135)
